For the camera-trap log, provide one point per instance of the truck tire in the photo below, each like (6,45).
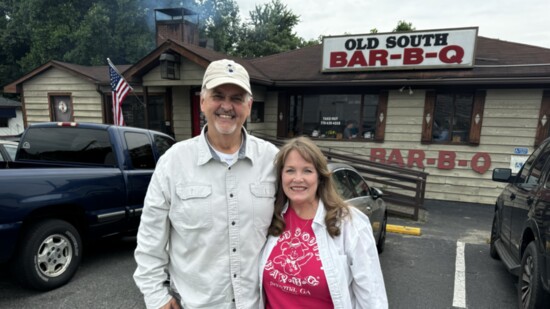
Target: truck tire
(531,293)
(49,255)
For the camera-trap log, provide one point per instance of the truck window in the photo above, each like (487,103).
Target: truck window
(532,168)
(71,145)
(140,150)
(163,143)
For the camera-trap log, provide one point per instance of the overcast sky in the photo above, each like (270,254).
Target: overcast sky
(526,21)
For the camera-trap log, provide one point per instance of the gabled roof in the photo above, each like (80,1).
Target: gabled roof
(496,62)
(199,55)
(94,74)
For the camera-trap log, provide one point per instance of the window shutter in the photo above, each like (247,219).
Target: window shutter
(544,118)
(477,117)
(428,118)
(382,115)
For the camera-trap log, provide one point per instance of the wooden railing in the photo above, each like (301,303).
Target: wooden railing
(403,188)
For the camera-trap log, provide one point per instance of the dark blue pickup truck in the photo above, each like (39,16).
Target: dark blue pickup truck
(70,183)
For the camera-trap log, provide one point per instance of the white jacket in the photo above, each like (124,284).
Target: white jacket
(350,261)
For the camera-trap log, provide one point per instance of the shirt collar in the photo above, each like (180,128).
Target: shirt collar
(207,153)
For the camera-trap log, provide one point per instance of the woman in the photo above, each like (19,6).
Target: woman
(320,252)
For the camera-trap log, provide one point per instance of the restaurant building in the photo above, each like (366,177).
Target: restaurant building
(446,101)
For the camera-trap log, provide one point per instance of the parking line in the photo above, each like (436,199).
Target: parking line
(459,297)
(391,228)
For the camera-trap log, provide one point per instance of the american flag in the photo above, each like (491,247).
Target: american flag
(120,88)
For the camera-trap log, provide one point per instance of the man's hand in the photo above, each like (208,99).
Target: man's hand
(172,304)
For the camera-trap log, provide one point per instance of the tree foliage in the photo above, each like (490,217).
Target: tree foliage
(221,23)
(404,26)
(34,32)
(269,31)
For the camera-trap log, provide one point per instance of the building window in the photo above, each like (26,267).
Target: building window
(338,116)
(453,118)
(61,107)
(257,112)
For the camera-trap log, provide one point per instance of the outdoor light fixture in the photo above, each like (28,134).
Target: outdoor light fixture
(169,66)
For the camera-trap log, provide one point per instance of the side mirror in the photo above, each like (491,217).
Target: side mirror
(375,192)
(502,174)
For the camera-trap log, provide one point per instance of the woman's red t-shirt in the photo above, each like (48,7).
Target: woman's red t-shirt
(293,275)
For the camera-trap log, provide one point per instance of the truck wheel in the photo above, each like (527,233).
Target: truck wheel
(495,235)
(531,293)
(49,255)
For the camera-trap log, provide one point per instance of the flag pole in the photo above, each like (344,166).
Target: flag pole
(116,70)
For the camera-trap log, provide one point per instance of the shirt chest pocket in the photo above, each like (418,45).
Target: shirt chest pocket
(263,202)
(192,208)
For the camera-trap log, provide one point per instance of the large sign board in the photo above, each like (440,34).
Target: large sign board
(430,49)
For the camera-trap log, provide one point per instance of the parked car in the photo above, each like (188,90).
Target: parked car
(72,183)
(355,190)
(7,150)
(520,235)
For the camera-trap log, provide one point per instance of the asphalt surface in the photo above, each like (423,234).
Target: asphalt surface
(418,270)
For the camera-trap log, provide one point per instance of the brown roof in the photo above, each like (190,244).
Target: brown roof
(94,74)
(496,62)
(201,56)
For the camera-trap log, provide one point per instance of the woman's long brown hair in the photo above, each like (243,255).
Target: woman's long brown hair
(335,206)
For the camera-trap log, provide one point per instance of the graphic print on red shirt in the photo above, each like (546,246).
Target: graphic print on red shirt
(293,275)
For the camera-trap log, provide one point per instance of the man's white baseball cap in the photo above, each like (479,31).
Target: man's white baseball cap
(226,71)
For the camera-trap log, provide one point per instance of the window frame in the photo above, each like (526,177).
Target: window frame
(543,123)
(476,120)
(297,98)
(55,108)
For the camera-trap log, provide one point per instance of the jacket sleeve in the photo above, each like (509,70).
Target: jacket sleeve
(367,287)
(152,239)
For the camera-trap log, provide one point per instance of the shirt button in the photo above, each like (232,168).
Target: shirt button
(231,195)
(233,300)
(229,168)
(234,250)
(233,223)
(235,276)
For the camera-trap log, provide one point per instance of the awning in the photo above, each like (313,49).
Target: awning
(7,113)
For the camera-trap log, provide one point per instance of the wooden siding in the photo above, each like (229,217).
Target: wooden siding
(85,99)
(181,99)
(190,75)
(504,128)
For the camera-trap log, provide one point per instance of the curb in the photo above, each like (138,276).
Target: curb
(400,229)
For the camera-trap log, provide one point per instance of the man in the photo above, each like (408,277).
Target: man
(208,206)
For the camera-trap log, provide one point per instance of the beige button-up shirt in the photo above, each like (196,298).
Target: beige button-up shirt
(206,222)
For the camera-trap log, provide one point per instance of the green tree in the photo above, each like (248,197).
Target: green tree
(34,32)
(403,26)
(269,31)
(221,23)
(115,29)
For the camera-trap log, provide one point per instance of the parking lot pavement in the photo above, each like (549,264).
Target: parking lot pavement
(459,221)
